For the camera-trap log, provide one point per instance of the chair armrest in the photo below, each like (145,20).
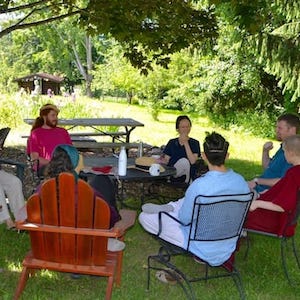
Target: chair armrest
(128,218)
(20,166)
(113,232)
(170,216)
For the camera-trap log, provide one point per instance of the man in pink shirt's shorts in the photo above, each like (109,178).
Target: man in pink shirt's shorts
(45,136)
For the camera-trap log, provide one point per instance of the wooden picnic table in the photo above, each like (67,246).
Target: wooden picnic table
(101,127)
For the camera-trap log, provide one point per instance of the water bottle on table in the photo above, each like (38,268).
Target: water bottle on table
(122,165)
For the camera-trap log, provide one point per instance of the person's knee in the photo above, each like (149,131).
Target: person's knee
(182,166)
(15,182)
(148,222)
(142,218)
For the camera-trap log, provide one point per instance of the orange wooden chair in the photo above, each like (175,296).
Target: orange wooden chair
(69,231)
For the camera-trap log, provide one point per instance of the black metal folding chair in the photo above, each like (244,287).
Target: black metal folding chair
(34,166)
(215,218)
(3,135)
(19,167)
(285,237)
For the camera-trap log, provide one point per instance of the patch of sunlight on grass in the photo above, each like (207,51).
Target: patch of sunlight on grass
(14,267)
(49,274)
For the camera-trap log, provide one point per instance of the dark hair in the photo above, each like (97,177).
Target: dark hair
(291,119)
(60,162)
(215,148)
(180,118)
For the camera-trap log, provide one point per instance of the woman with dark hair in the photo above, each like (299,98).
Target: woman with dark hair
(65,158)
(182,152)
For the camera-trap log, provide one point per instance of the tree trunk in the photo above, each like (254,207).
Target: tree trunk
(85,72)
(89,63)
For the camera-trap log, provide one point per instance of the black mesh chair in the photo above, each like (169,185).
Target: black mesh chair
(221,218)
(19,167)
(34,165)
(286,236)
(3,135)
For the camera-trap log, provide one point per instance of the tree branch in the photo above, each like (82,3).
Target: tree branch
(21,7)
(36,23)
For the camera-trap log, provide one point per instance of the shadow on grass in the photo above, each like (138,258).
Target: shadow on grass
(261,272)
(246,168)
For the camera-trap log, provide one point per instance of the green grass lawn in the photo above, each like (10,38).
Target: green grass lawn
(262,273)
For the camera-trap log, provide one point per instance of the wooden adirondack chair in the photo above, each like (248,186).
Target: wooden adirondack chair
(69,230)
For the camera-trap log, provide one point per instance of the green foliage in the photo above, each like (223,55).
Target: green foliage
(151,30)
(15,108)
(217,56)
(10,112)
(79,109)
(257,123)
(273,29)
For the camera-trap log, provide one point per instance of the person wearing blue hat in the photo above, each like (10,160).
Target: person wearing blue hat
(66,158)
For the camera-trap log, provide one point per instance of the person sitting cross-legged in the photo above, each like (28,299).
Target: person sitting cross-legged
(182,152)
(65,158)
(219,180)
(10,187)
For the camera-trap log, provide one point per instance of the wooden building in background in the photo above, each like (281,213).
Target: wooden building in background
(40,83)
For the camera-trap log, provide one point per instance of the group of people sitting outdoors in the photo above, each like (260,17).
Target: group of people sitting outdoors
(275,190)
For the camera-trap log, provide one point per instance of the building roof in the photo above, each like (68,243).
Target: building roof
(40,75)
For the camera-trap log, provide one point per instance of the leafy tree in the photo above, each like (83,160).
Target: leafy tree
(272,30)
(150,31)
(25,14)
(162,27)
(115,75)
(15,58)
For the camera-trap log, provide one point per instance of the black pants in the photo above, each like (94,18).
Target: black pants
(106,187)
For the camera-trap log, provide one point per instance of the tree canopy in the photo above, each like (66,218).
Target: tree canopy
(259,34)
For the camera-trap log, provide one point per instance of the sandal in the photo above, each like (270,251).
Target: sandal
(165,277)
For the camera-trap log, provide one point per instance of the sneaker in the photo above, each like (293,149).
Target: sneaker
(151,208)
(114,245)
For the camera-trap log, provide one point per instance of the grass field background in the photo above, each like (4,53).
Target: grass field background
(262,272)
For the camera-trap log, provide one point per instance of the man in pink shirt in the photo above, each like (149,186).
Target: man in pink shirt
(45,136)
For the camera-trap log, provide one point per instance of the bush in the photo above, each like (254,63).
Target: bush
(258,123)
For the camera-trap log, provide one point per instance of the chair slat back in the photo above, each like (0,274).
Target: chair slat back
(68,203)
(219,217)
